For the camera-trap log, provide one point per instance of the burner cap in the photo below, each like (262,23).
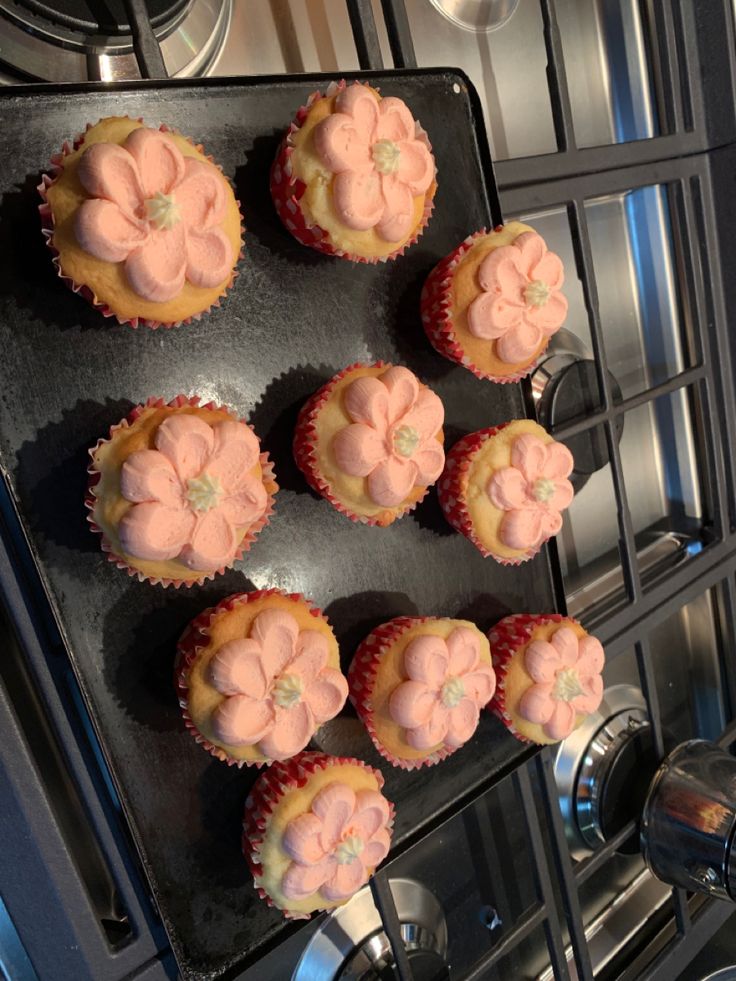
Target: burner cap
(99,16)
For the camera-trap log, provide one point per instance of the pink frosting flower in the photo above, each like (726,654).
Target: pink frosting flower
(567,672)
(380,164)
(521,303)
(194,495)
(448,685)
(392,441)
(155,210)
(532,491)
(337,844)
(279,688)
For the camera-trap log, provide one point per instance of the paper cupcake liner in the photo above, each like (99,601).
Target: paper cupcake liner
(451,493)
(287,192)
(305,454)
(362,676)
(193,641)
(506,638)
(436,307)
(90,500)
(269,789)
(56,169)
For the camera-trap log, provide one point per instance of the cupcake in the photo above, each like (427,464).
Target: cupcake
(354,175)
(257,675)
(179,491)
(142,223)
(549,675)
(493,304)
(504,488)
(418,685)
(315,829)
(370,442)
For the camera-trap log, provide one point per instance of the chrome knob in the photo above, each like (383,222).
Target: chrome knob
(689,820)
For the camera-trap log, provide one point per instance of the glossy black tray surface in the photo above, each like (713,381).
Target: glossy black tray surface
(292,319)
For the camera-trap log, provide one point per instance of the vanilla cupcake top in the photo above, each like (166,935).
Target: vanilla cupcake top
(392,438)
(380,165)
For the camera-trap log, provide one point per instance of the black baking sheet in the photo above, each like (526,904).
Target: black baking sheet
(292,319)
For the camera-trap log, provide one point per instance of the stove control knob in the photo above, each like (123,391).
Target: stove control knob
(689,822)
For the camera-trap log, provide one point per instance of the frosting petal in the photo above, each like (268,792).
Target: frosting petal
(591,698)
(200,195)
(590,657)
(541,661)
(344,881)
(480,684)
(549,317)
(551,522)
(234,454)
(462,723)
(426,659)
(416,167)
(519,343)
(277,632)
(411,704)
(108,171)
(429,462)
(395,121)
(366,400)
(500,273)
(562,497)
(209,257)
(300,881)
(213,542)
(565,642)
(148,476)
(291,731)
(358,448)
(550,270)
(358,198)
(562,721)
(160,162)
(241,721)
(311,655)
(186,441)
(107,232)
(529,456)
(243,507)
(301,839)
(490,316)
(398,209)
(403,389)
(371,813)
(153,531)
(432,732)
(531,248)
(340,145)
(559,462)
(426,415)
(391,481)
(334,805)
(156,270)
(522,529)
(236,669)
(357,101)
(464,651)
(537,704)
(376,849)
(507,489)
(327,695)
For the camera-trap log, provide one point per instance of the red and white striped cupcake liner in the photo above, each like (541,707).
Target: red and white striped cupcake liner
(272,785)
(362,676)
(305,452)
(451,490)
(436,308)
(287,192)
(507,638)
(195,639)
(47,228)
(90,500)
